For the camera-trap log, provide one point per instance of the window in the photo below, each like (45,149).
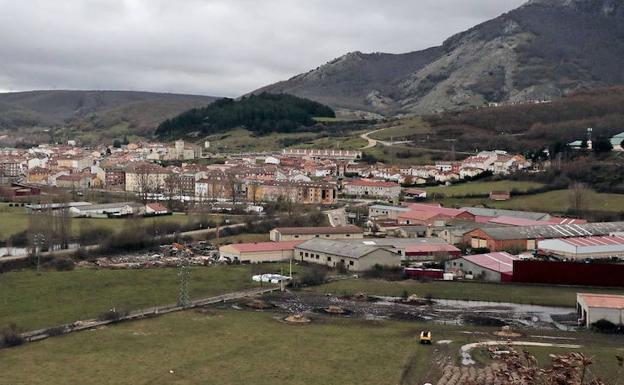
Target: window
(327,235)
(316,236)
(301,253)
(296,236)
(306,254)
(318,256)
(328,259)
(348,235)
(461,265)
(351,263)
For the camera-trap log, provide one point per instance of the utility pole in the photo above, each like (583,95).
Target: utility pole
(38,241)
(184,297)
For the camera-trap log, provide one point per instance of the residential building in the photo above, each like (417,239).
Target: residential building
(299,192)
(322,154)
(372,188)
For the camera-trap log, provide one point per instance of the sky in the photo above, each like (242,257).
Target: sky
(211,47)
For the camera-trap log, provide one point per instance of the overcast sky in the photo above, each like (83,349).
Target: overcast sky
(211,47)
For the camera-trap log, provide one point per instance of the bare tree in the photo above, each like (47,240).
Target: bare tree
(578,198)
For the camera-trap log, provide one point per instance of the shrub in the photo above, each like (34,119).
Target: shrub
(314,276)
(391,273)
(56,331)
(63,264)
(112,315)
(11,336)
(607,327)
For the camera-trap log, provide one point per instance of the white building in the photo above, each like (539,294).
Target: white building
(584,247)
(592,308)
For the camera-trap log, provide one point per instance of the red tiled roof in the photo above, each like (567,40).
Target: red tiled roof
(372,183)
(265,246)
(500,262)
(157,207)
(605,301)
(438,210)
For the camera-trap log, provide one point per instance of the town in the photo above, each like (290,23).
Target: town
(306,192)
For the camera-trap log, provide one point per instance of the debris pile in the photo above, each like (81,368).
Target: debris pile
(197,254)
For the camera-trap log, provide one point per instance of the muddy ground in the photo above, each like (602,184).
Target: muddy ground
(438,311)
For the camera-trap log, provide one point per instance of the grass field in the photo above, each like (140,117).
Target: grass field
(523,294)
(240,140)
(557,201)
(14,220)
(472,188)
(238,347)
(403,128)
(32,301)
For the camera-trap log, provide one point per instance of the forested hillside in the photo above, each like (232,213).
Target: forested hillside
(261,114)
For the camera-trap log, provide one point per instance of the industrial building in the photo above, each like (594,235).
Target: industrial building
(583,248)
(282,234)
(592,308)
(259,252)
(493,267)
(414,249)
(355,257)
(526,237)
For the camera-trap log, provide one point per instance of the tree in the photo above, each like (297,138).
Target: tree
(602,145)
(578,198)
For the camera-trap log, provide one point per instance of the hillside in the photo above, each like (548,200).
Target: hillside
(92,113)
(543,50)
(521,127)
(261,114)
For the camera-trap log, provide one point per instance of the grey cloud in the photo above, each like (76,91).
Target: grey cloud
(218,47)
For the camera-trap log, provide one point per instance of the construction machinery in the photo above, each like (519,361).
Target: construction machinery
(425,337)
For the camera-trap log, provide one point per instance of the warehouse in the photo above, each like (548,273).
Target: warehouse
(525,237)
(583,248)
(354,256)
(282,234)
(493,267)
(592,308)
(414,249)
(259,252)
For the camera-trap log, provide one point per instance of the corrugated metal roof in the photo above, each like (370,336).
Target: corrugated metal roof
(339,248)
(319,230)
(500,262)
(483,212)
(554,231)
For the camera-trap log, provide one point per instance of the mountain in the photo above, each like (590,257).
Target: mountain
(140,112)
(540,51)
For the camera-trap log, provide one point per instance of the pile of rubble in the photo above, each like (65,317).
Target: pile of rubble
(196,254)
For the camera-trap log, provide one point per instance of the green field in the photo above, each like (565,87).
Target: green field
(14,220)
(33,301)
(240,140)
(402,129)
(523,294)
(240,347)
(557,201)
(473,188)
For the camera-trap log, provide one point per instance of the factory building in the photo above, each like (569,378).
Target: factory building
(355,257)
(583,248)
(259,252)
(493,267)
(305,233)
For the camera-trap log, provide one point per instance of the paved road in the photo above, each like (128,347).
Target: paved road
(337,217)
(373,142)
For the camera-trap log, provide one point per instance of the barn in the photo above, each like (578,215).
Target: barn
(354,256)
